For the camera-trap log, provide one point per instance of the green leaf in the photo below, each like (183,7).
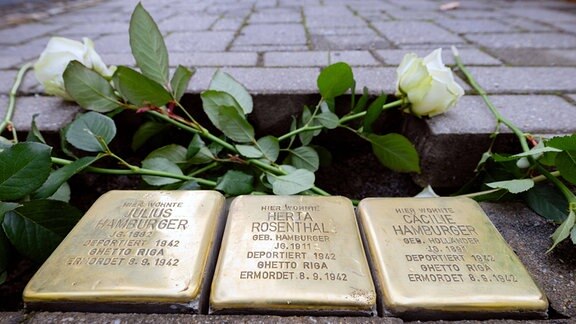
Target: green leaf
(362,102)
(566,164)
(547,202)
(565,143)
(37,227)
(172,152)
(222,81)
(513,186)
(270,147)
(396,152)
(305,157)
(249,151)
(23,168)
(89,89)
(306,119)
(293,183)
(335,80)
(198,152)
(59,177)
(373,113)
(180,80)
(148,130)
(63,193)
(573,235)
(83,133)
(148,47)
(6,207)
(34,135)
(212,100)
(235,183)
(563,231)
(160,164)
(328,119)
(227,118)
(139,89)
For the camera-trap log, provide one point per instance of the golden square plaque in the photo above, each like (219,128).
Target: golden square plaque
(144,251)
(292,254)
(443,258)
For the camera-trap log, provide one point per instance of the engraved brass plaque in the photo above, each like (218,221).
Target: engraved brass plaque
(132,247)
(291,254)
(442,257)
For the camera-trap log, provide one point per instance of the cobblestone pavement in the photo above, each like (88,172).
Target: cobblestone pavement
(522,52)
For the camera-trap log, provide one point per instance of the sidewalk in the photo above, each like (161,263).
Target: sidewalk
(522,52)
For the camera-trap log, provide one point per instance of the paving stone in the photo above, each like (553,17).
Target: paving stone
(465,26)
(12,61)
(272,34)
(29,83)
(23,33)
(187,23)
(28,51)
(209,41)
(475,14)
(214,59)
(347,20)
(376,79)
(11,317)
(416,4)
(572,97)
(95,29)
(566,26)
(535,57)
(77,19)
(276,80)
(354,58)
(523,80)
(408,32)
(470,56)
(269,48)
(53,113)
(544,15)
(349,42)
(467,127)
(46,317)
(526,40)
(526,25)
(342,31)
(300,59)
(115,43)
(228,24)
(275,16)
(419,14)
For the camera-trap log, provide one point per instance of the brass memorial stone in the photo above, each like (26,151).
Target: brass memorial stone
(144,251)
(443,258)
(292,254)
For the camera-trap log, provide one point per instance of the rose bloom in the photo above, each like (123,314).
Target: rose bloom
(427,83)
(56,56)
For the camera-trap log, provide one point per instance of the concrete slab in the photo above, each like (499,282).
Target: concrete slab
(535,57)
(524,80)
(272,34)
(470,56)
(203,41)
(523,40)
(415,32)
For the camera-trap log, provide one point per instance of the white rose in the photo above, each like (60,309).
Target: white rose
(427,83)
(54,59)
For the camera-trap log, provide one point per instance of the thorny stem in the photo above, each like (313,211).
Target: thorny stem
(12,96)
(519,134)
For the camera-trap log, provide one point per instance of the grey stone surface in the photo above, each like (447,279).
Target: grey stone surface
(23,33)
(228,24)
(268,48)
(354,58)
(470,56)
(272,34)
(316,58)
(535,57)
(348,42)
(95,29)
(11,317)
(115,43)
(415,32)
(214,59)
(207,41)
(271,15)
(524,40)
(342,31)
(187,23)
(525,79)
(465,26)
(52,113)
(526,25)
(376,79)
(276,80)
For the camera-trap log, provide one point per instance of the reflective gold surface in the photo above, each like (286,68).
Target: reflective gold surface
(133,246)
(444,255)
(292,253)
